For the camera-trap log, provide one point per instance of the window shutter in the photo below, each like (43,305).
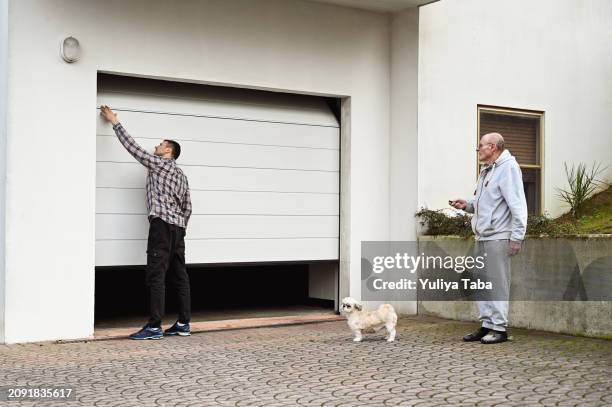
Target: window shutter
(520,134)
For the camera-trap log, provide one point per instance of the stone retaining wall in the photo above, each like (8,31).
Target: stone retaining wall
(559,285)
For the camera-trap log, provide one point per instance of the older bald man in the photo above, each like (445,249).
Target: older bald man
(499,224)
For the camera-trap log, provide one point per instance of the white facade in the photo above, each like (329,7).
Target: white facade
(290,46)
(3,108)
(548,55)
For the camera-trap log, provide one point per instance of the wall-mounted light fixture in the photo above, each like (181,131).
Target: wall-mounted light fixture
(70,49)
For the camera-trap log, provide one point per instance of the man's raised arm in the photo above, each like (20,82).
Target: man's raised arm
(140,154)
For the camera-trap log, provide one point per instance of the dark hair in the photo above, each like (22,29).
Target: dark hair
(176,148)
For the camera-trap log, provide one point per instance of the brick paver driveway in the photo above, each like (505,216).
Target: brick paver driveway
(319,365)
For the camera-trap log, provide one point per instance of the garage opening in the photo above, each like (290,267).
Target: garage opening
(263,171)
(219,293)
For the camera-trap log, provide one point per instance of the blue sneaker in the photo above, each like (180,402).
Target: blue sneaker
(148,332)
(175,329)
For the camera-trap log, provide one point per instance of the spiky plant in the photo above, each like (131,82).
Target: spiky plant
(582,183)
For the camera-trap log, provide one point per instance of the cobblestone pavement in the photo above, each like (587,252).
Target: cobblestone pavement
(319,365)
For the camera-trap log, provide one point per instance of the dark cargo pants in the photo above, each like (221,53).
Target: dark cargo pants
(166,252)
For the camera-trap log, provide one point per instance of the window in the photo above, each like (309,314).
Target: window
(523,132)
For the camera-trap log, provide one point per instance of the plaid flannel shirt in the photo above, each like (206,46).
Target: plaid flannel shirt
(167,187)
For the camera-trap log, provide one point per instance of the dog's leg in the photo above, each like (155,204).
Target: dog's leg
(391,330)
(358,335)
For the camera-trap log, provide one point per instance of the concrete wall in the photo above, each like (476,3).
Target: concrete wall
(558,285)
(323,280)
(550,55)
(588,318)
(3,107)
(294,46)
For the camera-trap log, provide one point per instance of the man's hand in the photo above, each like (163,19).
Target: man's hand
(108,114)
(458,203)
(513,248)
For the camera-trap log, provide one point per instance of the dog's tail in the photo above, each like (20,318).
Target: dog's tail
(388,308)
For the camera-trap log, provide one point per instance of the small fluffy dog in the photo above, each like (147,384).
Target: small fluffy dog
(361,321)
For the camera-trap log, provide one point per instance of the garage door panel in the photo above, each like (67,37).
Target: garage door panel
(132,201)
(313,113)
(130,227)
(230,155)
(120,175)
(132,175)
(181,128)
(263,171)
(133,252)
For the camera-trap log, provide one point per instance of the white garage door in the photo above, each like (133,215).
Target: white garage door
(263,170)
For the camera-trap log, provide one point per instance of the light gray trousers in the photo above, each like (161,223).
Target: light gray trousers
(493,305)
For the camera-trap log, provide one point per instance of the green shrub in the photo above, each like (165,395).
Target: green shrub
(438,223)
(542,225)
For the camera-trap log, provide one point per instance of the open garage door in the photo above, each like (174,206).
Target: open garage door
(263,170)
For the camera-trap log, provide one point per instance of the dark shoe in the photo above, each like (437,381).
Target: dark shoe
(178,330)
(476,335)
(148,332)
(495,337)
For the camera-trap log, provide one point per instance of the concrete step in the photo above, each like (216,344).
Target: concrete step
(228,324)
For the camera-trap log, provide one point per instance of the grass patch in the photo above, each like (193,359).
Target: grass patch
(597,215)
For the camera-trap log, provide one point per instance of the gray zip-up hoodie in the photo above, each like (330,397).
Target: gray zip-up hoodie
(499,205)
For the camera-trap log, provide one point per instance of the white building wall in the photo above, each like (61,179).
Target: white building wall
(403,157)
(550,55)
(289,45)
(3,107)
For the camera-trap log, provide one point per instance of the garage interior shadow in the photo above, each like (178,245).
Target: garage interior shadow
(218,293)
